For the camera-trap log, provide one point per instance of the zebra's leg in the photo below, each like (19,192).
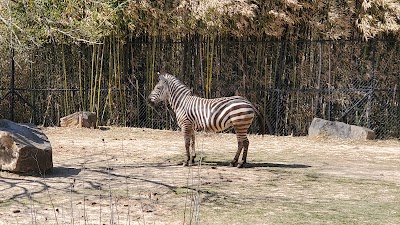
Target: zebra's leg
(193,153)
(236,158)
(243,143)
(187,147)
(188,133)
(244,156)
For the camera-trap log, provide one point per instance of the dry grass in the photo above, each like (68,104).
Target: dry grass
(132,176)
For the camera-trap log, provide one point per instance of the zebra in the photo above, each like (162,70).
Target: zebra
(194,113)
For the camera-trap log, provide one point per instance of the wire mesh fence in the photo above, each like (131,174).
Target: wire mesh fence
(290,82)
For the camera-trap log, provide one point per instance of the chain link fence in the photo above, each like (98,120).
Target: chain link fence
(290,82)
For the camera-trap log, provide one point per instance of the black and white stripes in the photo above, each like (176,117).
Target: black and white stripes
(195,113)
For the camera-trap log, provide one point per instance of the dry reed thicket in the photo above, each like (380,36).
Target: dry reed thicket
(132,176)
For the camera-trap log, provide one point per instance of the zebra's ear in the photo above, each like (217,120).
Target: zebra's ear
(161,77)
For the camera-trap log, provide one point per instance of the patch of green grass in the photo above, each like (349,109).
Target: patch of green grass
(304,197)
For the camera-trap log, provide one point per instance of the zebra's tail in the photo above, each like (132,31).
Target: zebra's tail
(261,119)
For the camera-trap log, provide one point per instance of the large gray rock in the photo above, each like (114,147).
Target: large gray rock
(79,119)
(24,148)
(325,128)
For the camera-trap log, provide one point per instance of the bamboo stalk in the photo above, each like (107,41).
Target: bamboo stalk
(31,84)
(318,96)
(255,81)
(329,83)
(210,59)
(111,70)
(100,77)
(207,68)
(96,78)
(265,71)
(151,74)
(124,105)
(136,87)
(200,59)
(153,59)
(122,91)
(82,105)
(147,86)
(92,82)
(276,85)
(137,103)
(66,107)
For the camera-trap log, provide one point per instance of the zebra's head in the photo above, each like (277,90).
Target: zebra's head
(160,92)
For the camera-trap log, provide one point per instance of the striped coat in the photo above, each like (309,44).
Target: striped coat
(194,113)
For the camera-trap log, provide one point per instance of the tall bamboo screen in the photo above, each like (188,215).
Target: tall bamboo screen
(291,82)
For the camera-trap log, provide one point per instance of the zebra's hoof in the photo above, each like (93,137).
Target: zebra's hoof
(188,163)
(233,164)
(241,164)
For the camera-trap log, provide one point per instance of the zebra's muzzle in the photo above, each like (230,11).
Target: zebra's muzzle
(150,102)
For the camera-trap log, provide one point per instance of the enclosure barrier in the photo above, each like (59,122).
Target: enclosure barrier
(290,82)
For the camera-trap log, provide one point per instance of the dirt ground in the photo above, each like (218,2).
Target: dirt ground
(134,176)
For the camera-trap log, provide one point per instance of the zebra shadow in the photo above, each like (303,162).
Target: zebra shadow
(258,165)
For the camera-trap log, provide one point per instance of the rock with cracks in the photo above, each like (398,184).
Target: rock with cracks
(325,128)
(79,119)
(24,148)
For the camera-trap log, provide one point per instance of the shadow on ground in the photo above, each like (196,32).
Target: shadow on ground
(259,164)
(62,172)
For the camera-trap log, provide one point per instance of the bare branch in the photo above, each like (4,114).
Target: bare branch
(73,37)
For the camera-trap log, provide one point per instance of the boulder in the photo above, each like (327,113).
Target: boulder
(24,148)
(79,119)
(325,128)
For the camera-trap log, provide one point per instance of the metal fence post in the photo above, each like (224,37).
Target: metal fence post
(12,86)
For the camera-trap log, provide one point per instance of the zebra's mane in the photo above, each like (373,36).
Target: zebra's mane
(175,83)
